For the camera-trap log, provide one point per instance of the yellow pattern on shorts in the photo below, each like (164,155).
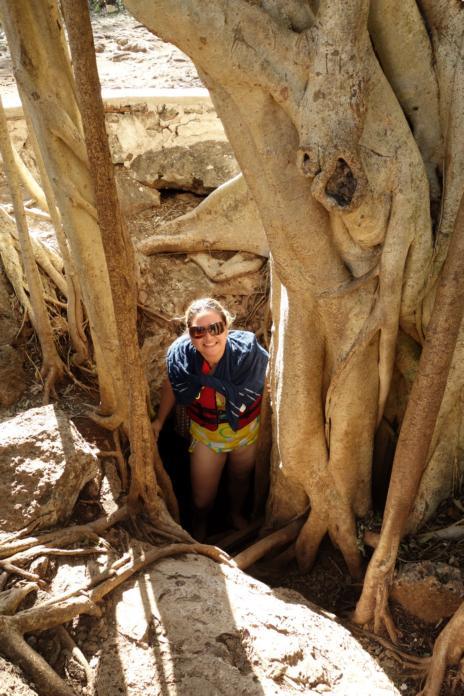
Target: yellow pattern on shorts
(224,439)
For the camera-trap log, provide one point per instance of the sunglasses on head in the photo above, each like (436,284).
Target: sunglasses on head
(213,329)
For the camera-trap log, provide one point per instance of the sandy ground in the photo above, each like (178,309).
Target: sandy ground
(128,56)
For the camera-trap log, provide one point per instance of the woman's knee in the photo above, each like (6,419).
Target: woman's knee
(205,469)
(242,461)
(203,499)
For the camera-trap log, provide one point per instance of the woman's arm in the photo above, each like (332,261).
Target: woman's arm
(167,403)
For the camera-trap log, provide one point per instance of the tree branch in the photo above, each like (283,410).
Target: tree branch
(231,39)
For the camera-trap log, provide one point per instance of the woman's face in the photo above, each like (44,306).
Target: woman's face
(210,347)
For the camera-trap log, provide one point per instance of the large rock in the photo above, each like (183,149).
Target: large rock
(430,591)
(200,168)
(13,682)
(194,627)
(179,145)
(44,463)
(133,196)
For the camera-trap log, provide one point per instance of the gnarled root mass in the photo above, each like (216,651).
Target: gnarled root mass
(83,600)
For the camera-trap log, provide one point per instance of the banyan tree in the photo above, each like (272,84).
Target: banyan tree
(346,118)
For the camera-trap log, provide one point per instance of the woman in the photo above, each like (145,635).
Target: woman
(219,375)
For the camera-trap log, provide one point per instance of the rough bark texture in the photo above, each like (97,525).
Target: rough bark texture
(121,266)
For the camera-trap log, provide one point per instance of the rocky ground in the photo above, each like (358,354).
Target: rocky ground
(132,644)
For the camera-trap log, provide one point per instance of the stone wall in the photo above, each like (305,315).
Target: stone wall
(163,139)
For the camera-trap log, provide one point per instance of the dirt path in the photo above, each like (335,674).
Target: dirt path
(128,56)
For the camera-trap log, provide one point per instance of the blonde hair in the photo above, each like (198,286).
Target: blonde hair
(205,304)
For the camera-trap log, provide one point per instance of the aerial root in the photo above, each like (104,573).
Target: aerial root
(382,614)
(350,285)
(343,536)
(111,421)
(121,462)
(448,650)
(371,538)
(309,540)
(372,606)
(50,374)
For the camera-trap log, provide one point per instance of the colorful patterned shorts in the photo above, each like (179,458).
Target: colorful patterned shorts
(224,439)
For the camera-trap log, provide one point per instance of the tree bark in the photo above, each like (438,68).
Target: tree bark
(121,267)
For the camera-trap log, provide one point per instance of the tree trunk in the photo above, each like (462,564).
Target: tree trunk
(121,266)
(43,74)
(342,193)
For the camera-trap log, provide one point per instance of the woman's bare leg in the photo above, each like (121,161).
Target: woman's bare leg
(241,464)
(205,472)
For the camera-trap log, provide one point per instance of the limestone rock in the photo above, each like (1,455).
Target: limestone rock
(44,463)
(12,376)
(146,126)
(430,591)
(13,682)
(200,628)
(134,196)
(200,168)
(172,145)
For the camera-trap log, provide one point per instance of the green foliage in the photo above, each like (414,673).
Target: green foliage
(98,6)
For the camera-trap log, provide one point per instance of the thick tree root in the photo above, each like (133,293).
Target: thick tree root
(448,650)
(219,271)
(253,553)
(454,531)
(341,528)
(382,615)
(15,648)
(111,421)
(14,570)
(65,536)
